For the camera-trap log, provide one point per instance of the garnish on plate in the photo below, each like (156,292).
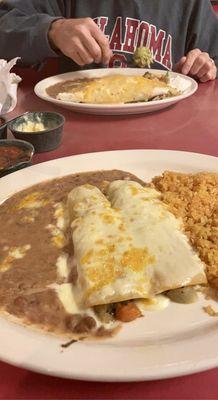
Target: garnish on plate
(143,57)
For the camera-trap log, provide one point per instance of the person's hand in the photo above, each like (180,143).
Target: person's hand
(81,40)
(197,64)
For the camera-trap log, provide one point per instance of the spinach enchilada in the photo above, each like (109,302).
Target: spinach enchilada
(114,89)
(128,246)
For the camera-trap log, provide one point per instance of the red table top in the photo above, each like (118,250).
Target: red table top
(191,125)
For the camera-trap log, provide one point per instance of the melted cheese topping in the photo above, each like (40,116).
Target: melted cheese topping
(62,266)
(69,300)
(129,247)
(61,216)
(116,89)
(66,295)
(13,253)
(110,267)
(33,200)
(151,225)
(159,302)
(58,229)
(58,237)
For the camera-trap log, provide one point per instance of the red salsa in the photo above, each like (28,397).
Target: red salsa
(12,155)
(2,121)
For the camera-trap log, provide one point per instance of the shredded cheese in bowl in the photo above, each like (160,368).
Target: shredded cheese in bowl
(31,126)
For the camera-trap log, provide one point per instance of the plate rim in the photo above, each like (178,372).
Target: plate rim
(99,153)
(183,371)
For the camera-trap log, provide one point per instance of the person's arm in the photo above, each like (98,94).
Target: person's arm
(24,26)
(201,57)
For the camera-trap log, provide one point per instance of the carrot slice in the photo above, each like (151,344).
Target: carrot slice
(127,312)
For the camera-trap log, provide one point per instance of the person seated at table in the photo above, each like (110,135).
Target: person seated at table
(182,34)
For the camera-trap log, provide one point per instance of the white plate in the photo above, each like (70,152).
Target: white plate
(179,340)
(187,84)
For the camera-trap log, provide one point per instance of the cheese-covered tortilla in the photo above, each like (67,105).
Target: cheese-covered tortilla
(114,89)
(153,226)
(129,246)
(102,249)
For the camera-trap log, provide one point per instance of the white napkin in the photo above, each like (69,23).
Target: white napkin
(8,86)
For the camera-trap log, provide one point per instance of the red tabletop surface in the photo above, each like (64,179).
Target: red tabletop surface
(191,125)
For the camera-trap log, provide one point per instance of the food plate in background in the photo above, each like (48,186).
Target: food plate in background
(187,85)
(179,340)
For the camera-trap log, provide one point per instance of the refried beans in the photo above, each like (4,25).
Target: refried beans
(29,253)
(66,86)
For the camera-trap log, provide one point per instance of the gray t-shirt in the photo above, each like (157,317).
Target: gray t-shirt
(170,28)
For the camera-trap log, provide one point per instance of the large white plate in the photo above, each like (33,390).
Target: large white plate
(179,340)
(188,84)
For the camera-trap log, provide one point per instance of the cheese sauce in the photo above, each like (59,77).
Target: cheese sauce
(130,248)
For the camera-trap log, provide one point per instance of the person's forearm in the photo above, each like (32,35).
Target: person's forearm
(25,36)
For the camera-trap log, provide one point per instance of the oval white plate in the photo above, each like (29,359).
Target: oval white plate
(179,340)
(188,84)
